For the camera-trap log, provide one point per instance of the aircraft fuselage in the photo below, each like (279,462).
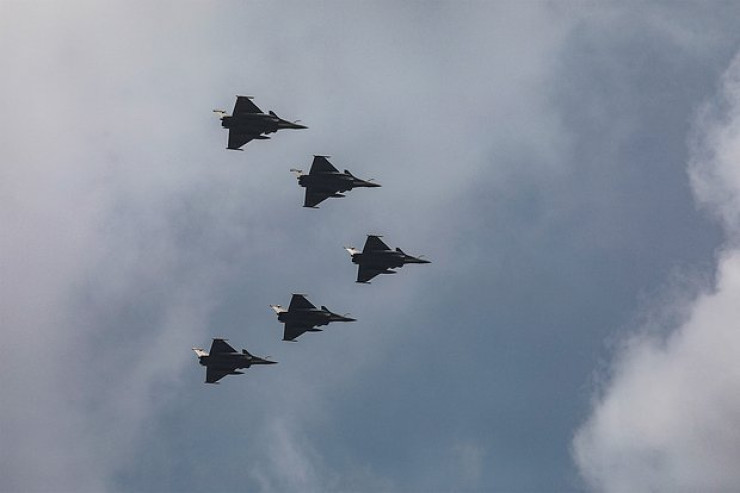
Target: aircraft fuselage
(257,123)
(340,182)
(236,360)
(381,260)
(328,181)
(311,318)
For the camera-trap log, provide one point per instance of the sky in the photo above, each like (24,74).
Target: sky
(570,169)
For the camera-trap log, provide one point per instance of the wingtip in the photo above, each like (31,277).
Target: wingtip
(278,309)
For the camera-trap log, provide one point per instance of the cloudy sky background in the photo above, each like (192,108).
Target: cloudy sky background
(570,169)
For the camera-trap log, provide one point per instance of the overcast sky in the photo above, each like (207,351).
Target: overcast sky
(570,169)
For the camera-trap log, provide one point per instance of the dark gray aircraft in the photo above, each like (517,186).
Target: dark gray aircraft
(225,360)
(249,122)
(302,316)
(378,258)
(324,181)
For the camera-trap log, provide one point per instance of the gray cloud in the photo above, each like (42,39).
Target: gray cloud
(86,270)
(134,236)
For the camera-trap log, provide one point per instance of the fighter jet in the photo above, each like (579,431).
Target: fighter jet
(225,360)
(378,258)
(302,316)
(324,181)
(249,122)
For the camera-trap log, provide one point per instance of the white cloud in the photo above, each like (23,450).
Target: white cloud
(470,457)
(81,369)
(107,184)
(714,171)
(669,415)
(291,465)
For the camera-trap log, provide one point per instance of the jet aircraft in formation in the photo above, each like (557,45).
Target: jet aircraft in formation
(248,122)
(224,360)
(324,181)
(303,316)
(378,258)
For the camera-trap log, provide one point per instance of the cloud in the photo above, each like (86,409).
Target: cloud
(714,170)
(668,415)
(291,463)
(122,225)
(470,457)
(130,235)
(94,295)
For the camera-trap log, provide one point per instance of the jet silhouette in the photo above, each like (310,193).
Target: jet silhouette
(225,360)
(324,181)
(302,316)
(378,258)
(248,122)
